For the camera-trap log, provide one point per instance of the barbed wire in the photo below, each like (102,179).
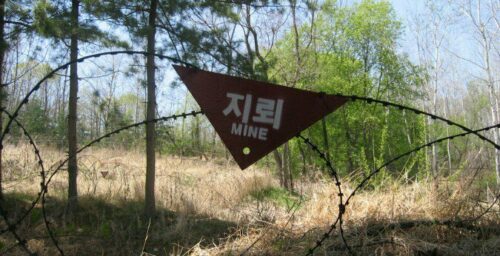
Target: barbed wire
(176,60)
(12,227)
(41,197)
(363,182)
(40,163)
(81,59)
(90,144)
(338,184)
(342,205)
(44,185)
(369,100)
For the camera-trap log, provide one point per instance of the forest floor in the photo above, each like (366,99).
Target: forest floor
(210,207)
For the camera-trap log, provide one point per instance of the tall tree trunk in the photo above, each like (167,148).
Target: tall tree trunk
(350,143)
(304,158)
(46,99)
(72,110)
(446,108)
(279,164)
(434,165)
(150,207)
(325,138)
(183,125)
(487,41)
(286,167)
(494,117)
(3,49)
(434,148)
(493,102)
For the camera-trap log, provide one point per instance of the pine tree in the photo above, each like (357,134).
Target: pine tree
(3,48)
(150,207)
(55,20)
(194,42)
(72,110)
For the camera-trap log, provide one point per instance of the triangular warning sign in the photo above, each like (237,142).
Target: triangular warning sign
(253,118)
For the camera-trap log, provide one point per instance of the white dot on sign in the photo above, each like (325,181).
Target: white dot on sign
(246,151)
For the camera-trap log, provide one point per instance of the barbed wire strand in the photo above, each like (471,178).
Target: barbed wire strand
(373,173)
(44,186)
(175,60)
(342,205)
(92,143)
(82,59)
(338,184)
(12,227)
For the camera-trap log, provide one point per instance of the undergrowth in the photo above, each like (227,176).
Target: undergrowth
(212,208)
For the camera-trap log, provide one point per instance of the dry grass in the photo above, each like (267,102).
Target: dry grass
(207,208)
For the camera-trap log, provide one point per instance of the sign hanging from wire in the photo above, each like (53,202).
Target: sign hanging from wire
(251,117)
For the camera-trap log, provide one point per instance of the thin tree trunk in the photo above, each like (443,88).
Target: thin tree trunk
(150,207)
(494,105)
(303,155)
(286,167)
(196,136)
(183,125)
(288,157)
(214,144)
(448,144)
(309,152)
(434,106)
(72,111)
(350,143)
(279,163)
(408,137)
(434,166)
(3,49)
(494,117)
(46,99)
(325,138)
(63,97)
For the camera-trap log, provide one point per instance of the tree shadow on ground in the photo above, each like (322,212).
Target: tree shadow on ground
(102,227)
(381,237)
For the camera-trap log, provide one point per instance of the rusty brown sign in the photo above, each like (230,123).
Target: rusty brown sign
(253,118)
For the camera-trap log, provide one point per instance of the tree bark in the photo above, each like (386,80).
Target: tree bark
(150,207)
(485,42)
(494,117)
(3,49)
(288,166)
(493,99)
(72,111)
(446,108)
(436,68)
(434,165)
(304,157)
(279,165)
(325,138)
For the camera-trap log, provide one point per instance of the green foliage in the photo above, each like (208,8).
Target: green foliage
(36,215)
(52,19)
(348,49)
(35,118)
(60,130)
(116,118)
(355,53)
(19,16)
(105,230)
(280,196)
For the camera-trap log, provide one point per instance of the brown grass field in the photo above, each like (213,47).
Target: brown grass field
(210,207)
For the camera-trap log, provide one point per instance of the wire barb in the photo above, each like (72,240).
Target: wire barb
(12,226)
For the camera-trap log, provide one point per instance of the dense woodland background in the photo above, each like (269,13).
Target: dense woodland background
(443,58)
